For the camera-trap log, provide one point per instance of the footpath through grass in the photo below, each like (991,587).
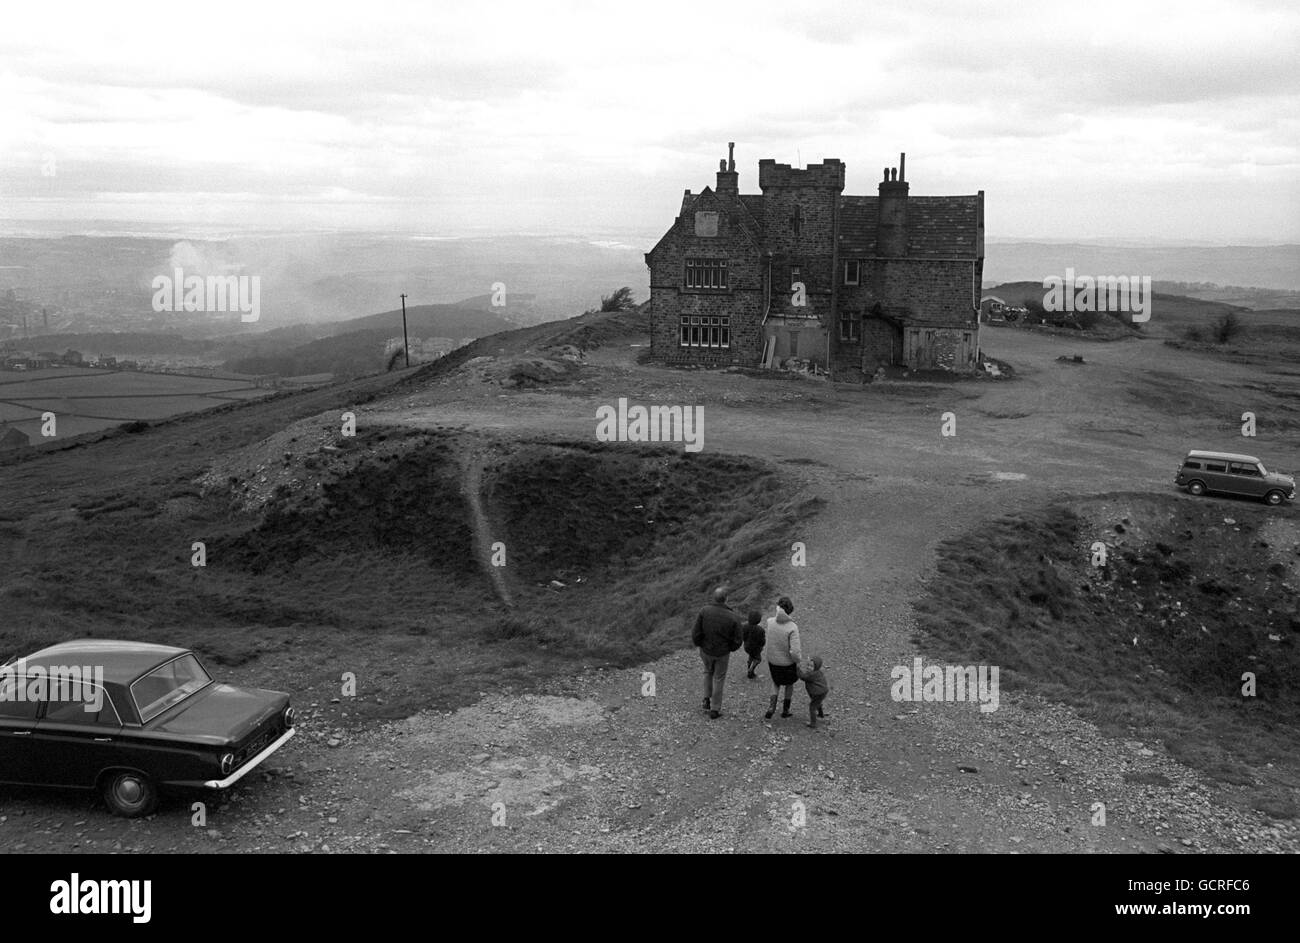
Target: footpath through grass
(369,564)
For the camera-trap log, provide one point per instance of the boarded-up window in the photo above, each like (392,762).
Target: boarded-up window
(706,224)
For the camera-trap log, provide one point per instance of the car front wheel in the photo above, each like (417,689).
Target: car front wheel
(1197,488)
(1274,497)
(130,794)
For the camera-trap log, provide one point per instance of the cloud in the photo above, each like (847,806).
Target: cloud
(472,113)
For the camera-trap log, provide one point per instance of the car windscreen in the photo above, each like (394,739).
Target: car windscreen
(167,685)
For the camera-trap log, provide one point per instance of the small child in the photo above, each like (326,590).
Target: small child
(755,636)
(814,680)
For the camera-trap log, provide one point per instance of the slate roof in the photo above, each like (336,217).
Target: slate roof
(938,227)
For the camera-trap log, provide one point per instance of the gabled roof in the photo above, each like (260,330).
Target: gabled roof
(709,199)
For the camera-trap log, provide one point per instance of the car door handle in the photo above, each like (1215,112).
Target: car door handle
(103,739)
(22,733)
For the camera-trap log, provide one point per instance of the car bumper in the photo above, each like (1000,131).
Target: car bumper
(250,765)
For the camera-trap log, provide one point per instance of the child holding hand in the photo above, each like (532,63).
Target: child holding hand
(814,680)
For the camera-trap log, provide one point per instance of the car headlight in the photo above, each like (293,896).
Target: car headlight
(227,764)
(288,717)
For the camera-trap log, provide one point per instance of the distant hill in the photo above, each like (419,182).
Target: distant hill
(1276,267)
(1257,299)
(356,346)
(1170,314)
(345,355)
(120,344)
(88,283)
(472,317)
(346,348)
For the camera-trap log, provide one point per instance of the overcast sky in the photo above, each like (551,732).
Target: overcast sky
(1078,119)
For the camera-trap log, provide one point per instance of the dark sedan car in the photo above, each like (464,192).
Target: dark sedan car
(128,719)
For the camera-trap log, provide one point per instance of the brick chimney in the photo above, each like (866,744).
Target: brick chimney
(728,179)
(891,230)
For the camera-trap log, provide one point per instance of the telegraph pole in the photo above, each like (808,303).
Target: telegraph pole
(406,344)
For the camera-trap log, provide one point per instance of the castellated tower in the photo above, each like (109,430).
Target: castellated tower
(800,209)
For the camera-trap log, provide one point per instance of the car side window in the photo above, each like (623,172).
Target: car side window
(1240,469)
(1191,464)
(13,708)
(1211,466)
(75,711)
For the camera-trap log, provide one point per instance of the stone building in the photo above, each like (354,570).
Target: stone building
(803,271)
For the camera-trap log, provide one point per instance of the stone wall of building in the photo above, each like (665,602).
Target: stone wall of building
(919,291)
(935,290)
(741,301)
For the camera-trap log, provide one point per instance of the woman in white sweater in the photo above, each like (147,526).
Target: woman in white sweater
(783,654)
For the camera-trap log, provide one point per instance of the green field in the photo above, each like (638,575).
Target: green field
(86,400)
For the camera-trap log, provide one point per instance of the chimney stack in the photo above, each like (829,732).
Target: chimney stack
(891,228)
(728,179)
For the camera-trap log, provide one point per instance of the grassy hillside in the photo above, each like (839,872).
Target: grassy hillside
(1267,335)
(378,544)
(356,347)
(373,543)
(1154,643)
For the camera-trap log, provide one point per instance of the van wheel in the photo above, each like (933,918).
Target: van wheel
(130,795)
(1274,497)
(1197,488)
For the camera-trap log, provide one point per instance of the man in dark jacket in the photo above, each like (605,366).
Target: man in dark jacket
(717,634)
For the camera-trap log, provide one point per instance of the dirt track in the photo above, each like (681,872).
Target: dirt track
(597,766)
(654,774)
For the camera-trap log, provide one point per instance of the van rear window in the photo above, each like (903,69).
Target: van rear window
(1190,464)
